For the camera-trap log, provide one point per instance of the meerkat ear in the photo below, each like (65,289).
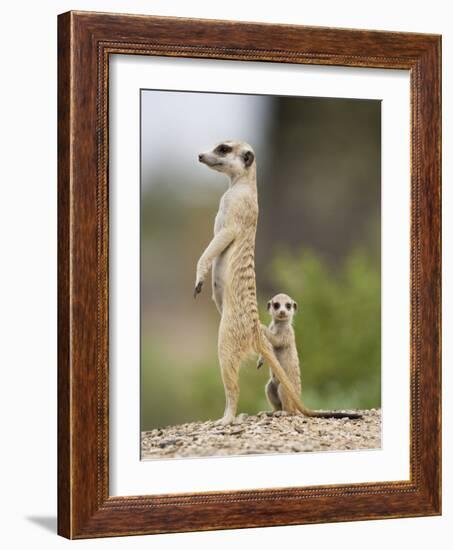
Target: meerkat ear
(269,303)
(248,157)
(295,306)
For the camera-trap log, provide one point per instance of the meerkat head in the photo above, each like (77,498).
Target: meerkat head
(282,307)
(233,158)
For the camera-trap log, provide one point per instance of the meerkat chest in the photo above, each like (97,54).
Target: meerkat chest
(281,345)
(220,219)
(285,341)
(282,340)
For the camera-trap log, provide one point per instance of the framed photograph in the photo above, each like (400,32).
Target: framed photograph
(249,275)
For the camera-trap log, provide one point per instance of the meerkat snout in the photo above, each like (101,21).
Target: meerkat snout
(281,307)
(233,158)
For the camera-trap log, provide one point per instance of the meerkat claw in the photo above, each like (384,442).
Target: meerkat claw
(197,289)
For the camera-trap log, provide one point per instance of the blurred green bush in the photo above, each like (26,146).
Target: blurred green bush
(338,327)
(338,335)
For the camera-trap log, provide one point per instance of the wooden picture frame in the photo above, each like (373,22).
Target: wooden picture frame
(85,42)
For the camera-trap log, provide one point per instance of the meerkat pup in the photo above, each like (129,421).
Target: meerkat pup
(231,255)
(280,334)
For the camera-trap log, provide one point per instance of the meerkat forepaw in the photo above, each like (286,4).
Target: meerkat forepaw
(259,363)
(198,288)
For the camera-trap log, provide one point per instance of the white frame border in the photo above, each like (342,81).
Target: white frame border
(130,476)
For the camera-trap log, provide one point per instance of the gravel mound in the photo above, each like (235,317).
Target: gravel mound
(266,433)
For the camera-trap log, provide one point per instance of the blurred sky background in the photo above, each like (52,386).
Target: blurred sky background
(318,239)
(191,122)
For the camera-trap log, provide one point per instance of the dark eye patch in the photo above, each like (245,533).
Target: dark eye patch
(288,306)
(223,149)
(276,305)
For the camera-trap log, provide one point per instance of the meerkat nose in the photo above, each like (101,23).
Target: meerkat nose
(201,157)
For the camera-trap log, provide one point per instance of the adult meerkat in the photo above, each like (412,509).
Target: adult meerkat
(231,254)
(280,334)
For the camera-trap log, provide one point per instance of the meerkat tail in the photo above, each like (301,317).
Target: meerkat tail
(333,414)
(266,351)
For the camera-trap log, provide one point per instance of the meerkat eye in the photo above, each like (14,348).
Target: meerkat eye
(276,305)
(223,149)
(288,306)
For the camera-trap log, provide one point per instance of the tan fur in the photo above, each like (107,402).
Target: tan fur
(231,254)
(280,334)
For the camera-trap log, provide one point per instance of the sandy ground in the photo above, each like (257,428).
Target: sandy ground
(265,433)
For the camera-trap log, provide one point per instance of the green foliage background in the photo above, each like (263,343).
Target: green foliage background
(338,329)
